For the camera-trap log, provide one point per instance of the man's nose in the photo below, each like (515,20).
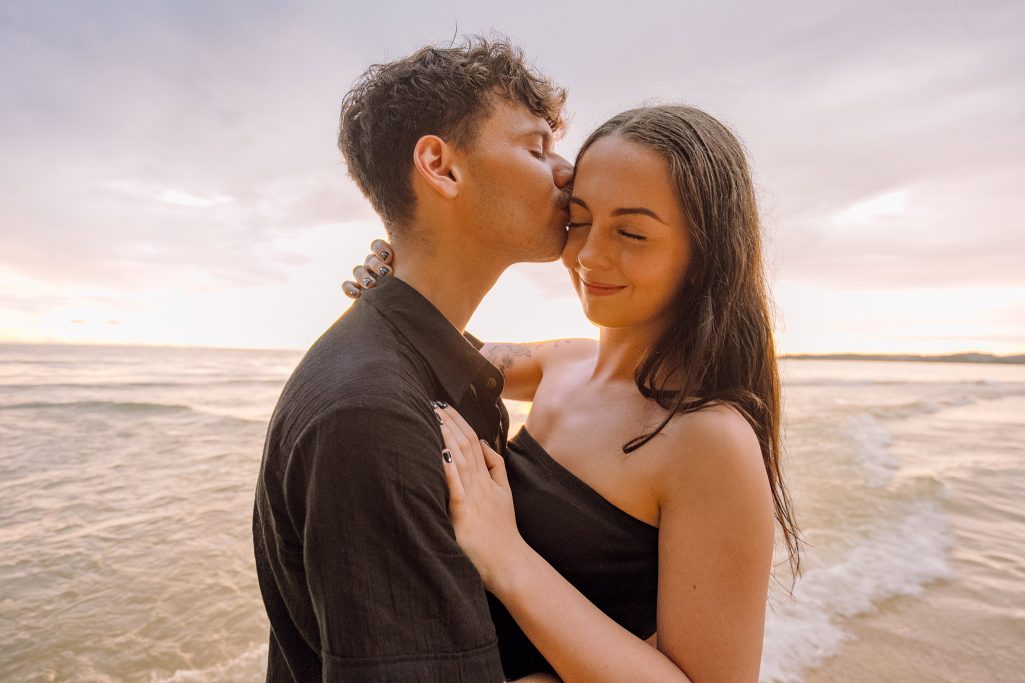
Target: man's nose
(562,172)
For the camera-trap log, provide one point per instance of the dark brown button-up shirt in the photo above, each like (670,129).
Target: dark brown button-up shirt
(357,560)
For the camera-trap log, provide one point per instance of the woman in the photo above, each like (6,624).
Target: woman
(641,493)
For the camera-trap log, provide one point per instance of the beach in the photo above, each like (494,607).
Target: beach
(127,475)
(969,625)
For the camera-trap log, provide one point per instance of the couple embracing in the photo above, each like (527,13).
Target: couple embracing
(626,532)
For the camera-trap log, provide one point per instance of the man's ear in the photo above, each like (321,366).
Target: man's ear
(434,161)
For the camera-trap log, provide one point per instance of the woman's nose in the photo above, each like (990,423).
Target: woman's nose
(593,255)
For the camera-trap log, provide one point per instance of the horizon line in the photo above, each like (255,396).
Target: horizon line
(829,355)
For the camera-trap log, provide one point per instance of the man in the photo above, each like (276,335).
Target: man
(358,564)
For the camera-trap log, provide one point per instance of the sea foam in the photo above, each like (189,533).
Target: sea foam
(899,560)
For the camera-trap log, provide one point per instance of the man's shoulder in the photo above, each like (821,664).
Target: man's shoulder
(359,364)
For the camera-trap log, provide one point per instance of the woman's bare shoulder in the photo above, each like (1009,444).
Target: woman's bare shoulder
(714,442)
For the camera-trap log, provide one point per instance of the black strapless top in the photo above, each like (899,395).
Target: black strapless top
(607,554)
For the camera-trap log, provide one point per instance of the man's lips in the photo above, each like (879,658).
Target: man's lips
(562,201)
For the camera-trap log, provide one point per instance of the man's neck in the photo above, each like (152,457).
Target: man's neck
(454,279)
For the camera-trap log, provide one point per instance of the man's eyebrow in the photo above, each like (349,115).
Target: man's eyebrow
(625,211)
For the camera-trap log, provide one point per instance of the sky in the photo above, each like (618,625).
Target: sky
(170,174)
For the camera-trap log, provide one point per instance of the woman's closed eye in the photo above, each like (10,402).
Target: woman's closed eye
(625,233)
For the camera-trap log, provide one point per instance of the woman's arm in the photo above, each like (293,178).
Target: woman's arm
(716,537)
(539,677)
(523,364)
(581,642)
(715,546)
(715,555)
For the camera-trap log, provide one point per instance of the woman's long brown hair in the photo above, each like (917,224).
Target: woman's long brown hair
(719,346)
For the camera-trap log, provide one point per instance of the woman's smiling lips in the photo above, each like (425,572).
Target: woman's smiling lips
(600,288)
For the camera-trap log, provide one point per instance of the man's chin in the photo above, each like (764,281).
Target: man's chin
(549,259)
(555,252)
(550,249)
(540,256)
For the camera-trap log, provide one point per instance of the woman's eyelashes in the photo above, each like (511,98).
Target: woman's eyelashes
(625,233)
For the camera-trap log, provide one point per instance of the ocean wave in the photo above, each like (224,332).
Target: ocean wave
(838,382)
(251,665)
(1003,388)
(916,408)
(118,406)
(921,407)
(872,447)
(28,386)
(128,408)
(899,560)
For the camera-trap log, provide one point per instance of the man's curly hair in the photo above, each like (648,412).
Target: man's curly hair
(443,91)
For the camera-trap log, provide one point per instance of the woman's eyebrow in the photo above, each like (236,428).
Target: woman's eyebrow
(637,210)
(624,211)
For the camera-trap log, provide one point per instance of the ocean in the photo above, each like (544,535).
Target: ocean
(127,478)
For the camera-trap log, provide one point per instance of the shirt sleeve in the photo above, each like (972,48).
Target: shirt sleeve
(395,597)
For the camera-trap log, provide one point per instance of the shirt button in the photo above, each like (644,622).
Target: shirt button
(491,383)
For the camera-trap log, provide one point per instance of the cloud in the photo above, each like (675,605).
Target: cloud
(145,148)
(940,233)
(191,144)
(881,207)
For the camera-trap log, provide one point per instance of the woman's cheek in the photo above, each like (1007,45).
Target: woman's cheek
(574,241)
(651,277)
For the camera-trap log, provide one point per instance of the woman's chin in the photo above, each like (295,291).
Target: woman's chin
(618,318)
(606,318)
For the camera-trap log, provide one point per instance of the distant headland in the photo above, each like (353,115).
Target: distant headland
(968,357)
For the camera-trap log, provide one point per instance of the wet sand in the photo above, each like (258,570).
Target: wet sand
(937,638)
(967,628)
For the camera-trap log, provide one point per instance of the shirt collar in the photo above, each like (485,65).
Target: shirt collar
(454,358)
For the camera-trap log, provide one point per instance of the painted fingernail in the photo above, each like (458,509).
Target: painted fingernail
(440,421)
(367,281)
(383,270)
(447,454)
(385,255)
(441,404)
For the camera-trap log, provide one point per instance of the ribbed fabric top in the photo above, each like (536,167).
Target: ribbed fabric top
(607,554)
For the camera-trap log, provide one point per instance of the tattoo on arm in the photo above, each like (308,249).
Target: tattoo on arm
(503,356)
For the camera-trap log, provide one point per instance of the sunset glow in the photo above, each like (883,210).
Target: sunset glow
(182,187)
